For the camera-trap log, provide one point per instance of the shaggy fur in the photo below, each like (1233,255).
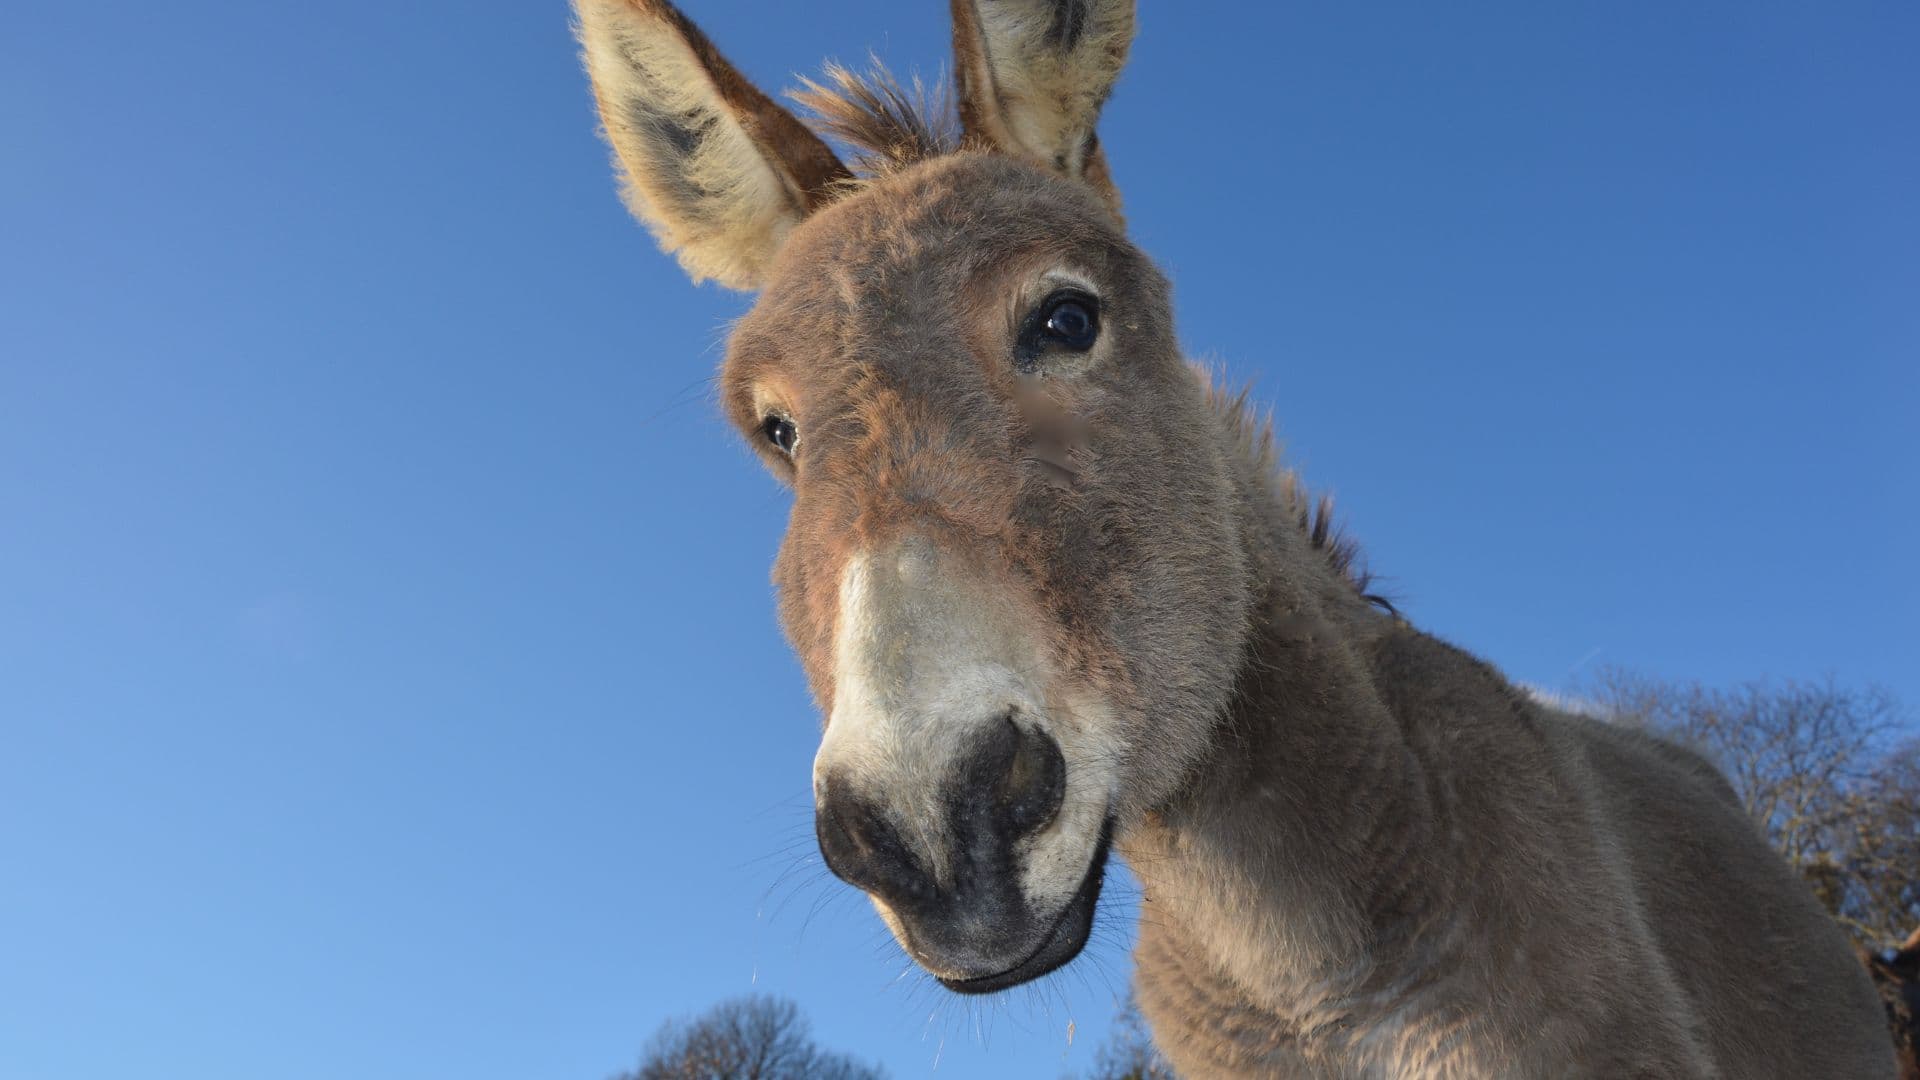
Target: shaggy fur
(1364,852)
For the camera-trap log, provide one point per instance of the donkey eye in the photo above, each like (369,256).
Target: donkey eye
(1072,322)
(780,432)
(1068,321)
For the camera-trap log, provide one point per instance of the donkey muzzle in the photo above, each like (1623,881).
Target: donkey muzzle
(959,909)
(959,781)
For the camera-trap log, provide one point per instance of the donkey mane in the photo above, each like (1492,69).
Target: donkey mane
(885,124)
(1312,514)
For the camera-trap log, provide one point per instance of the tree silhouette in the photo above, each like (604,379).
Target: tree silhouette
(746,1038)
(1128,1053)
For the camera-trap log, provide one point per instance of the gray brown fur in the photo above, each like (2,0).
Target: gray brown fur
(1364,852)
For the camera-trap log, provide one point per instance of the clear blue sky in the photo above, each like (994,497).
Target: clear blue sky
(389,685)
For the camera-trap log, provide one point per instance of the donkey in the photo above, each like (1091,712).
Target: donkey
(1056,598)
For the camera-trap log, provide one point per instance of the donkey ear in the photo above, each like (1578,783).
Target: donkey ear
(714,167)
(1032,75)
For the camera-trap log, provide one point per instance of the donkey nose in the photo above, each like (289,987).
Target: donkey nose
(1010,785)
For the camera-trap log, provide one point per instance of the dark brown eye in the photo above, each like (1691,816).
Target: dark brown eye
(1072,324)
(780,432)
(1067,321)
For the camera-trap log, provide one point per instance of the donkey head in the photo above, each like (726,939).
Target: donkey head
(1014,572)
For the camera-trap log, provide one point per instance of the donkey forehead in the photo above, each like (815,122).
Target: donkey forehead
(916,274)
(931,239)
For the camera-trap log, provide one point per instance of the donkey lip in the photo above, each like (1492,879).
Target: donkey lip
(1063,942)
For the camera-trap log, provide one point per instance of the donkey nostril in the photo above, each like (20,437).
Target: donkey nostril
(1035,783)
(839,844)
(860,847)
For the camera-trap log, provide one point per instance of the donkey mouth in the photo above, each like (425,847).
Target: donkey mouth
(1063,942)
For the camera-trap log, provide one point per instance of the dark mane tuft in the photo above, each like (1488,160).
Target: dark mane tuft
(886,124)
(1313,516)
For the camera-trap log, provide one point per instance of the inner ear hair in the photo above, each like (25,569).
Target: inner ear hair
(1032,75)
(714,167)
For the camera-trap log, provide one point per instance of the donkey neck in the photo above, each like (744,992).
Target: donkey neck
(1300,836)
(1296,846)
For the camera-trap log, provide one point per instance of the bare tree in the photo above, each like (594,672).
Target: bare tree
(1870,873)
(745,1038)
(1128,1053)
(1818,770)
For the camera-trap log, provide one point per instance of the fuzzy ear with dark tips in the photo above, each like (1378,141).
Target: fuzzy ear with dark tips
(1033,74)
(716,169)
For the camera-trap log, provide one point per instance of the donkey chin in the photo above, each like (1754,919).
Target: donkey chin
(957,784)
